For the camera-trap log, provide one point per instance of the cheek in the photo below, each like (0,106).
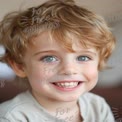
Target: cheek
(92,73)
(40,75)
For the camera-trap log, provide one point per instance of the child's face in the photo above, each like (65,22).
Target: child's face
(57,74)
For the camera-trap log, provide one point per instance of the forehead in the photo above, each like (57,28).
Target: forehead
(70,43)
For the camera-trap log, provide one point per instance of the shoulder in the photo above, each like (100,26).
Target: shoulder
(91,97)
(96,107)
(15,104)
(93,101)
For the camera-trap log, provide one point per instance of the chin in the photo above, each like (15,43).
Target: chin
(70,98)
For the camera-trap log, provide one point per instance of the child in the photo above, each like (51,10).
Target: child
(57,48)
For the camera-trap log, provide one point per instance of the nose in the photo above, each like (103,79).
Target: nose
(69,68)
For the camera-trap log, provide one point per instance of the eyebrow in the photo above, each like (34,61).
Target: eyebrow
(54,51)
(44,51)
(87,51)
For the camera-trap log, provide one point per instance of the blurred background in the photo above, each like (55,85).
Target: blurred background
(111,10)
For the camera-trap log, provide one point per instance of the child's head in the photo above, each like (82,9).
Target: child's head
(61,19)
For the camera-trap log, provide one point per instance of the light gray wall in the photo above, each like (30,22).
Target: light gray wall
(6,73)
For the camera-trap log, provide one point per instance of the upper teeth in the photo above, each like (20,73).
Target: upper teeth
(67,84)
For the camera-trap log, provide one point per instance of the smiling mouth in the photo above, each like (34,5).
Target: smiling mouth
(69,85)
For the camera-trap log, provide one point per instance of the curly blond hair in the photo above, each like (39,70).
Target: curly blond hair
(58,17)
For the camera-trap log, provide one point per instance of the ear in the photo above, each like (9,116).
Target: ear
(18,69)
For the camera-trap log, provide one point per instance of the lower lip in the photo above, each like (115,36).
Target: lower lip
(67,89)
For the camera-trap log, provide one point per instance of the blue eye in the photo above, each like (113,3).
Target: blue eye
(49,59)
(83,58)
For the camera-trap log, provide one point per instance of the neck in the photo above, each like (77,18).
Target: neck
(53,105)
(60,109)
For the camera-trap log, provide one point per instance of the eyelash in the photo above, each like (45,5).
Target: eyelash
(84,58)
(48,56)
(87,58)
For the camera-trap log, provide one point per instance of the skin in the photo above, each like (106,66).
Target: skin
(46,62)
